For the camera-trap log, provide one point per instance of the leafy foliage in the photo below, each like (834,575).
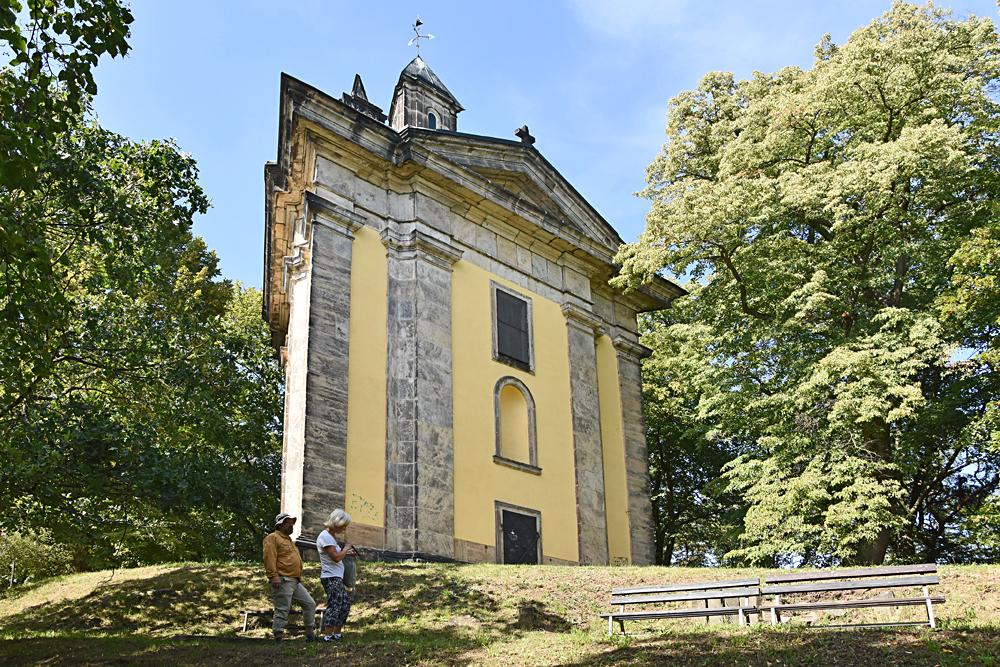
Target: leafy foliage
(839,227)
(50,76)
(147,427)
(695,521)
(29,556)
(44,89)
(139,398)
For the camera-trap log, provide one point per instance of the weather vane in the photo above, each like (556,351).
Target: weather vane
(416,40)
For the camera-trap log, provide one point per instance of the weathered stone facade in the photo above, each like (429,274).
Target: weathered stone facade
(640,508)
(437,198)
(590,510)
(419,494)
(324,469)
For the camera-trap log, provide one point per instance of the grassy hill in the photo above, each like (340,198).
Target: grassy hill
(433,614)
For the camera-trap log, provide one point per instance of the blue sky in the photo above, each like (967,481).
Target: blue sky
(591,78)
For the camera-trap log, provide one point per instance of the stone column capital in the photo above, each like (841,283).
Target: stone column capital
(631,349)
(415,243)
(322,211)
(582,319)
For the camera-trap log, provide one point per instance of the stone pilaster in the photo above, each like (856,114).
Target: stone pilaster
(592,526)
(640,509)
(324,457)
(420,496)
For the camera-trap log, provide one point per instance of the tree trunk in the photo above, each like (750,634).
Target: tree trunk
(668,552)
(879,443)
(873,552)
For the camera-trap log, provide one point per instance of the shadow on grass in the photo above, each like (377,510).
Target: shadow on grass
(376,646)
(441,591)
(199,599)
(978,646)
(535,615)
(190,614)
(205,600)
(419,590)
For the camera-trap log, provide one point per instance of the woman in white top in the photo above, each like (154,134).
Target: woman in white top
(331,556)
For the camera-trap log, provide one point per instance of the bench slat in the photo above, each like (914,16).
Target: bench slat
(820,575)
(688,597)
(679,613)
(870,625)
(850,604)
(849,585)
(699,586)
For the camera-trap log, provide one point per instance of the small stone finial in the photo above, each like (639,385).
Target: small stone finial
(357,99)
(525,136)
(359,89)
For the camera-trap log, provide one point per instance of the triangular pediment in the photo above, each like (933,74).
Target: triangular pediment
(520,184)
(521,171)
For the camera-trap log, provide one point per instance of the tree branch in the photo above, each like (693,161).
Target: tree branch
(744,299)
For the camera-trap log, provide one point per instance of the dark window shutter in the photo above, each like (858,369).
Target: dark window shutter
(512,327)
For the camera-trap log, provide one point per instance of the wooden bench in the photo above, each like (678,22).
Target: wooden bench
(740,593)
(247,613)
(778,587)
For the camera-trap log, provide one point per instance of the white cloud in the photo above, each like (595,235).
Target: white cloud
(628,19)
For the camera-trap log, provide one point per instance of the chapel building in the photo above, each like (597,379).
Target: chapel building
(459,375)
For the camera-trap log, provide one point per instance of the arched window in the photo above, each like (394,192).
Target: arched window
(515,425)
(432,121)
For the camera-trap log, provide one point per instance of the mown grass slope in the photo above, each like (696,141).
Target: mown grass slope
(434,614)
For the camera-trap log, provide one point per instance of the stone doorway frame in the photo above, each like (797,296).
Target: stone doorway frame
(500,507)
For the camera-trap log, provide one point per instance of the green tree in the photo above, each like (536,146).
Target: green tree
(153,433)
(53,47)
(695,521)
(139,397)
(838,224)
(44,89)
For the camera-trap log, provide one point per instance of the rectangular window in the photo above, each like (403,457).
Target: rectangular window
(512,329)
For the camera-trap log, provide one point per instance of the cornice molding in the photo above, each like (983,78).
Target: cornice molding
(582,319)
(416,243)
(323,212)
(630,349)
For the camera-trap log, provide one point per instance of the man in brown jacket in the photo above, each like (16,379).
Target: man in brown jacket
(284,570)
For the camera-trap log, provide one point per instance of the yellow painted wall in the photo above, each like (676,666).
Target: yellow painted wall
(479,481)
(514,425)
(364,497)
(613,442)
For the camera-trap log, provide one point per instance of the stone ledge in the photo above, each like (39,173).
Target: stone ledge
(516,465)
(418,243)
(630,348)
(582,319)
(322,211)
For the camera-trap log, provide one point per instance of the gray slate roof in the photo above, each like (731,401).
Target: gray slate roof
(419,70)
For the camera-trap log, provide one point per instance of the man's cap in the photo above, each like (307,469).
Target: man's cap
(280,519)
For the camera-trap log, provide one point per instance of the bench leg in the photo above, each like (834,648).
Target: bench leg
(621,626)
(742,618)
(930,608)
(611,625)
(245,617)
